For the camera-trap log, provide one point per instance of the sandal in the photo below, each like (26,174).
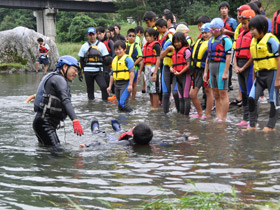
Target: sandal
(235,102)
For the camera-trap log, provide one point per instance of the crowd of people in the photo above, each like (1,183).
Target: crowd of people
(177,66)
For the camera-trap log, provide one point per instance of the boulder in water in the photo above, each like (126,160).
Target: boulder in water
(19,45)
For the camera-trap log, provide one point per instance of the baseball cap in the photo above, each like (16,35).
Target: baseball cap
(91,30)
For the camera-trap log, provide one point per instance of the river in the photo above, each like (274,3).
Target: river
(224,156)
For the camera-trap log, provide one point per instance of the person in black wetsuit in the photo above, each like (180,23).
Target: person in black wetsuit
(53,102)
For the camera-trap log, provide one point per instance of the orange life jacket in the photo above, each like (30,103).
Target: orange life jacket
(149,55)
(243,45)
(179,60)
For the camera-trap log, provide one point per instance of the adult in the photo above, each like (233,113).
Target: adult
(43,50)
(118,36)
(53,102)
(92,56)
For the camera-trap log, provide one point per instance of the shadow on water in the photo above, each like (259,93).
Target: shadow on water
(35,177)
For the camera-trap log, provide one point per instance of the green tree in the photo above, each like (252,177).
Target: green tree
(77,29)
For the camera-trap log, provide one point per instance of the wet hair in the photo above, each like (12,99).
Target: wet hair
(224,4)
(260,23)
(100,29)
(131,30)
(161,22)
(118,44)
(168,15)
(258,3)
(151,32)
(142,134)
(149,15)
(111,28)
(203,19)
(179,36)
(40,40)
(255,8)
(139,29)
(118,26)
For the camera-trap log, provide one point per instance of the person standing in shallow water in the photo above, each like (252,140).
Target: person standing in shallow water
(92,57)
(44,51)
(53,102)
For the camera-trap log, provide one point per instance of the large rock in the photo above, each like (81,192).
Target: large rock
(19,45)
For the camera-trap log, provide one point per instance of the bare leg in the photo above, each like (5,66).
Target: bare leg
(45,69)
(134,90)
(217,102)
(209,102)
(224,102)
(155,100)
(195,100)
(37,66)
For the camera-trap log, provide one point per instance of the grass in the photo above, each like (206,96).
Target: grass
(4,66)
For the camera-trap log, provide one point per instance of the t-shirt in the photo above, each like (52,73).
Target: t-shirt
(274,46)
(103,50)
(46,46)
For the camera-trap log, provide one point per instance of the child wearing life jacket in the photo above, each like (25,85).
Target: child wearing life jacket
(134,51)
(151,62)
(168,79)
(181,62)
(243,62)
(199,55)
(123,75)
(201,21)
(185,30)
(264,50)
(218,62)
(44,51)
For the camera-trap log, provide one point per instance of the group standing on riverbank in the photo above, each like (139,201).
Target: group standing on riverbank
(175,66)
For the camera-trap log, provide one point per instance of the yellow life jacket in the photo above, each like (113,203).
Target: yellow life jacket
(120,70)
(236,34)
(131,49)
(263,59)
(198,51)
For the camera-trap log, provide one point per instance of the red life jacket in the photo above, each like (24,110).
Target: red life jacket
(179,60)
(216,50)
(43,48)
(163,38)
(227,26)
(149,55)
(106,42)
(243,45)
(276,24)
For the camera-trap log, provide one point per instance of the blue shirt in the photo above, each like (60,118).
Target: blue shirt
(129,62)
(274,45)
(101,47)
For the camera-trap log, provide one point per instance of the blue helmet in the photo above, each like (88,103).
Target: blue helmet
(217,23)
(68,60)
(205,27)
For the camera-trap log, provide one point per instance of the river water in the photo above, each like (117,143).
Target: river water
(33,177)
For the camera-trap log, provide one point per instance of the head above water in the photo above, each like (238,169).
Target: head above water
(142,134)
(68,66)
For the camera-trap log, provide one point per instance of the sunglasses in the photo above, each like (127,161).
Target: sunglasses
(215,30)
(131,35)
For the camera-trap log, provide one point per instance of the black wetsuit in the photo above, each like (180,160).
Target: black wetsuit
(46,123)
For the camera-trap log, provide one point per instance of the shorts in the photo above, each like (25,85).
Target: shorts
(151,87)
(44,60)
(216,72)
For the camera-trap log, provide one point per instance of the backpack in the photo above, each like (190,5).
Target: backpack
(276,24)
(93,55)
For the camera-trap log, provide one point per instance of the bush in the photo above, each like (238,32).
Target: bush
(78,27)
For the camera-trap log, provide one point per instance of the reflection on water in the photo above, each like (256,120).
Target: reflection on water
(32,177)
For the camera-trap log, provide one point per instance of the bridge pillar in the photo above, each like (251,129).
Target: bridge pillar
(46,22)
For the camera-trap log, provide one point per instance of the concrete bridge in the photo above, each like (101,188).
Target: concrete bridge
(45,11)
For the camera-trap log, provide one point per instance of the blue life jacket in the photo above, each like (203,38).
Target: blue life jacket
(216,50)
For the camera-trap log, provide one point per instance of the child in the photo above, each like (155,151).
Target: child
(168,79)
(134,51)
(181,62)
(123,75)
(199,56)
(200,21)
(44,51)
(264,49)
(150,19)
(151,61)
(185,30)
(219,55)
(243,62)
(169,18)
(139,33)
